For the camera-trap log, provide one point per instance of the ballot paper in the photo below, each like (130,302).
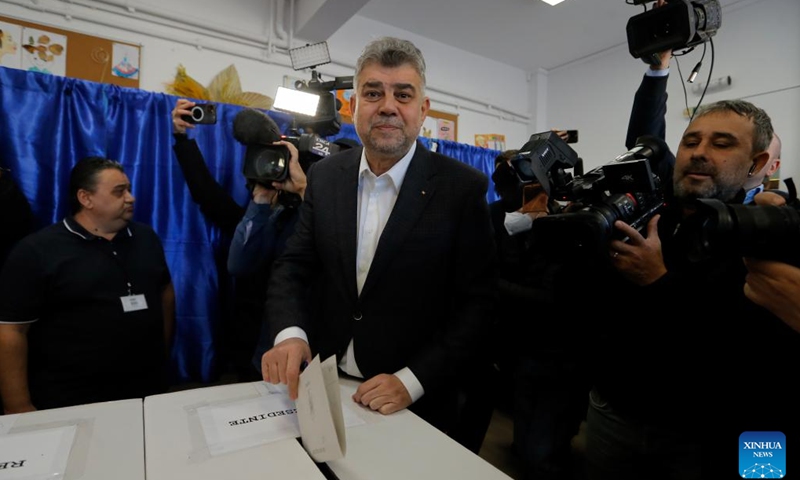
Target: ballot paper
(245,423)
(37,454)
(319,411)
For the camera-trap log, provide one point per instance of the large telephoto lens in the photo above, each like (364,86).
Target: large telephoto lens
(767,232)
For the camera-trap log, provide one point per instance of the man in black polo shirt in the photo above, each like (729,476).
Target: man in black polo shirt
(86,304)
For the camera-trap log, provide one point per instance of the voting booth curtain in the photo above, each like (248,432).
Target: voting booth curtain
(48,123)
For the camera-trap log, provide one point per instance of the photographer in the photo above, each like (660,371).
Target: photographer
(654,378)
(648,117)
(261,235)
(267,225)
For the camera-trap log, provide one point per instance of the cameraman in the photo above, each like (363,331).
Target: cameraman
(658,393)
(648,117)
(545,354)
(261,235)
(264,224)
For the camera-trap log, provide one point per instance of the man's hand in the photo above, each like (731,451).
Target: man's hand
(665,55)
(769,198)
(182,107)
(296,181)
(262,195)
(384,393)
(774,286)
(639,259)
(281,363)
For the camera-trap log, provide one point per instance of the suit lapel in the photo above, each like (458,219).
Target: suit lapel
(416,192)
(347,219)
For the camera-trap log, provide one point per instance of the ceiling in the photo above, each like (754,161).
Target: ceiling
(526,34)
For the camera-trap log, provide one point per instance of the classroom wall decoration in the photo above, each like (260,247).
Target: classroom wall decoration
(225,87)
(44,51)
(40,48)
(10,45)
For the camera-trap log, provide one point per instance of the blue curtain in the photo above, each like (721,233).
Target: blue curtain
(479,157)
(48,123)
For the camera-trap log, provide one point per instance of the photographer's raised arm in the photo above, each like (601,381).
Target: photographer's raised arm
(214,201)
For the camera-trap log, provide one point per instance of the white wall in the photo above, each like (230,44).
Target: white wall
(757,45)
(488,97)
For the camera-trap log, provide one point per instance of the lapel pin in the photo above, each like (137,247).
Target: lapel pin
(423,192)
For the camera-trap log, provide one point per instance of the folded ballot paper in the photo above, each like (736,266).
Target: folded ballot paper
(319,411)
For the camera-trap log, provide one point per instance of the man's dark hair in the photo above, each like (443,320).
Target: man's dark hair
(84,177)
(505,156)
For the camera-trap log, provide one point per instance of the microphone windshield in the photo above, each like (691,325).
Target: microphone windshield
(647,146)
(253,127)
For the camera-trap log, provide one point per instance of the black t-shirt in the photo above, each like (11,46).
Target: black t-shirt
(83,347)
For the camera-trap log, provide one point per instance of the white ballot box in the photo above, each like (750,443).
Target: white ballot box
(187,437)
(87,442)
(403,446)
(185,440)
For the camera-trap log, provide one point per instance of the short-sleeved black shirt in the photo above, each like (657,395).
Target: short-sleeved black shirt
(82,346)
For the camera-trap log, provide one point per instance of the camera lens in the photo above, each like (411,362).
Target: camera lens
(763,231)
(270,165)
(198,113)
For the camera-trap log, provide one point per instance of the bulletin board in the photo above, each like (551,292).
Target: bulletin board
(35,47)
(440,126)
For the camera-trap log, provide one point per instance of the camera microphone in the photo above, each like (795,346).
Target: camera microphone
(264,162)
(647,147)
(252,127)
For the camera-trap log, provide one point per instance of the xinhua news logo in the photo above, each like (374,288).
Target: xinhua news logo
(762,455)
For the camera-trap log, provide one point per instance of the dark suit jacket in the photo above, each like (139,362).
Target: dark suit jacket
(427,300)
(648,117)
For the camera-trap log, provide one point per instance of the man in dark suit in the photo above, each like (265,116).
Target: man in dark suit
(394,246)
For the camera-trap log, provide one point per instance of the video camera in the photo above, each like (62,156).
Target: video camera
(625,189)
(758,231)
(265,164)
(677,24)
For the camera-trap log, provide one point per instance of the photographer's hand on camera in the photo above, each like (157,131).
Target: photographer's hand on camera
(770,198)
(639,259)
(263,195)
(774,286)
(296,181)
(182,107)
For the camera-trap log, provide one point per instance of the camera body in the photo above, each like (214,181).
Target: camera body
(676,25)
(311,147)
(625,189)
(202,114)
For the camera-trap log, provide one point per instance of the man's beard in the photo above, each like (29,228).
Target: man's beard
(720,187)
(393,145)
